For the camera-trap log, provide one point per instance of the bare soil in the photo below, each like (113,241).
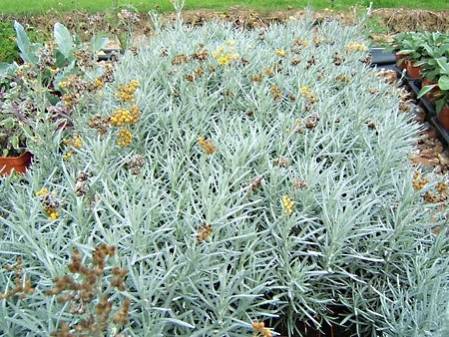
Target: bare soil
(396,20)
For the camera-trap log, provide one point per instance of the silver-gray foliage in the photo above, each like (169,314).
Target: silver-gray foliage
(358,242)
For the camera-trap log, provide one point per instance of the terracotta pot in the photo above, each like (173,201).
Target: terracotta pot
(401,60)
(426,81)
(443,117)
(413,72)
(17,164)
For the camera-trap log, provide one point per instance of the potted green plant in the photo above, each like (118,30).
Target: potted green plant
(410,47)
(13,154)
(413,49)
(442,84)
(397,46)
(436,48)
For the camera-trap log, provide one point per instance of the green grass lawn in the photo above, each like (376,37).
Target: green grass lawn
(37,6)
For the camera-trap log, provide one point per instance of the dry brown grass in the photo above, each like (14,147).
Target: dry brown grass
(399,20)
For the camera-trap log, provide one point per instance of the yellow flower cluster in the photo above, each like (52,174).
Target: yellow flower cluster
(124,137)
(356,47)
(276,92)
(260,330)
(123,116)
(52,213)
(269,71)
(68,155)
(317,40)
(126,92)
(49,207)
(54,70)
(280,53)
(439,196)
(226,54)
(442,188)
(43,192)
(98,84)
(419,182)
(207,145)
(69,100)
(306,92)
(75,142)
(288,204)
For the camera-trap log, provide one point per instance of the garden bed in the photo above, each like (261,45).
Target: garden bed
(225,182)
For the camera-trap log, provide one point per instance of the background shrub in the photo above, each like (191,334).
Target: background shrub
(8,46)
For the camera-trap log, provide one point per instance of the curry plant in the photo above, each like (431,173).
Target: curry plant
(249,181)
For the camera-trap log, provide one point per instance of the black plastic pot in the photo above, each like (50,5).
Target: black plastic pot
(381,57)
(110,54)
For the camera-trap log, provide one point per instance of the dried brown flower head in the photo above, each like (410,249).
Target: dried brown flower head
(256,184)
(180,59)
(86,292)
(312,121)
(338,59)
(281,161)
(101,124)
(299,184)
(82,184)
(276,92)
(22,286)
(204,233)
(135,164)
(201,55)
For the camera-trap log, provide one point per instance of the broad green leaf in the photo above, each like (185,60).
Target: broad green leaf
(425,90)
(23,42)
(442,63)
(52,98)
(406,51)
(6,69)
(98,42)
(63,39)
(61,60)
(15,141)
(7,123)
(443,83)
